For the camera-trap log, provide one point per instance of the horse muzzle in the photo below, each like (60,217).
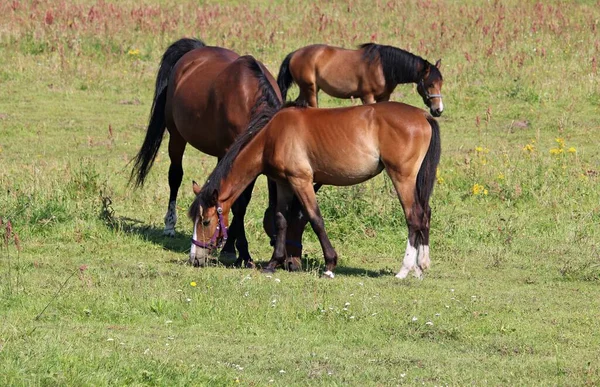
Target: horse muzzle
(198,257)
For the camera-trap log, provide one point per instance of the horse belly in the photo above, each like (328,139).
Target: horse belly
(350,172)
(339,87)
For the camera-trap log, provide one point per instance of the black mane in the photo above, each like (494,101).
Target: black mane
(399,66)
(301,104)
(266,105)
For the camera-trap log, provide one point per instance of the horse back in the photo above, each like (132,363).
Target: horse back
(211,98)
(339,72)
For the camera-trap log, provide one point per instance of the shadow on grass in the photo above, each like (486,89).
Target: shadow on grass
(311,265)
(180,243)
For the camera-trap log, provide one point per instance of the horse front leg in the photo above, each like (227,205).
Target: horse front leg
(296,225)
(237,232)
(305,193)
(284,197)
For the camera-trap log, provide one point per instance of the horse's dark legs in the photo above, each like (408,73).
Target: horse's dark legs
(284,197)
(176,148)
(237,229)
(296,224)
(305,193)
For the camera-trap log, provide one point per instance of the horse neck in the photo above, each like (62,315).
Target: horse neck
(404,68)
(245,168)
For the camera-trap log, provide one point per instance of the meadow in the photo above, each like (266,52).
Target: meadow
(91,293)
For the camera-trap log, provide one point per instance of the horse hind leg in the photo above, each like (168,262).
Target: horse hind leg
(176,148)
(416,256)
(308,93)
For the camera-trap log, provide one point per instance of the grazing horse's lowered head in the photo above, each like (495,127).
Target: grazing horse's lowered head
(430,88)
(210,225)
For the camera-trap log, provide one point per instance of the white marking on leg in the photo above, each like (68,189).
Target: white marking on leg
(409,262)
(424,260)
(329,274)
(171,218)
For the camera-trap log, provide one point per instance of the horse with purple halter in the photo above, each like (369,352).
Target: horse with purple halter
(204,96)
(298,146)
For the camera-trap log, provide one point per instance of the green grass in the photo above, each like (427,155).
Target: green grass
(511,298)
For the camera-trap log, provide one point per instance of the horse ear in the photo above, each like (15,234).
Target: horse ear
(195,188)
(438,64)
(215,197)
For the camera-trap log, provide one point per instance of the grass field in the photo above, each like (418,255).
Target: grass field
(91,293)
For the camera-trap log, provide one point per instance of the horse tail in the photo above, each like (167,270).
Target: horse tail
(284,78)
(156,127)
(427,172)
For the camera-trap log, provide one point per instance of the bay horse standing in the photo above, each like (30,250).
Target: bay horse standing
(370,73)
(204,96)
(299,146)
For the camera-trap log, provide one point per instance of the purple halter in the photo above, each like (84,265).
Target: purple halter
(221,230)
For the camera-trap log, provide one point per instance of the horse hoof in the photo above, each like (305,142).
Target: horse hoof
(293,264)
(249,265)
(328,274)
(227,258)
(418,273)
(170,232)
(268,270)
(402,273)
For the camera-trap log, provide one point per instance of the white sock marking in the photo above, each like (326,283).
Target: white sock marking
(409,262)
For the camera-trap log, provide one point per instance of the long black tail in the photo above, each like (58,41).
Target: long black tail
(426,176)
(156,128)
(284,78)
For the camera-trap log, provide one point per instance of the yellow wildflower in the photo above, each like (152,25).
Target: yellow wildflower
(560,141)
(478,189)
(134,52)
(556,151)
(501,176)
(529,148)
(572,150)
(193,284)
(439,178)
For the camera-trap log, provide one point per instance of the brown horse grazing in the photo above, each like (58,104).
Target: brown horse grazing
(298,146)
(370,73)
(204,96)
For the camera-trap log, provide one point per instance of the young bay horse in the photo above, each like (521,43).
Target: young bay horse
(299,146)
(204,96)
(370,73)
